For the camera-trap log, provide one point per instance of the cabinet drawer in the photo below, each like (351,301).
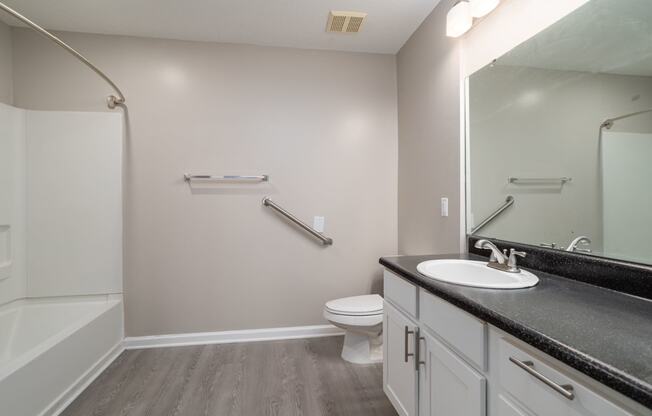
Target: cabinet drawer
(401,293)
(541,389)
(462,331)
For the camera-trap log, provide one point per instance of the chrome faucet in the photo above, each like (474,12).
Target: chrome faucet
(497,256)
(573,246)
(499,260)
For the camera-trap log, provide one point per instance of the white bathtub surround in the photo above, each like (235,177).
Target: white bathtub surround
(226,337)
(13,280)
(61,173)
(52,348)
(74,203)
(60,235)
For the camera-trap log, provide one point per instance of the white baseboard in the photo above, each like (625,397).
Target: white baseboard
(225,337)
(59,405)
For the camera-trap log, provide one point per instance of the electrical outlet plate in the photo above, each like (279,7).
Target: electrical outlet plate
(318,224)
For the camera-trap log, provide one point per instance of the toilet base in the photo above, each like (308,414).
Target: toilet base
(361,348)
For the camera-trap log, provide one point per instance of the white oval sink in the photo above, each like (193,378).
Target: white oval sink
(476,274)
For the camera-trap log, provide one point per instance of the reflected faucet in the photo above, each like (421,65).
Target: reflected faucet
(581,240)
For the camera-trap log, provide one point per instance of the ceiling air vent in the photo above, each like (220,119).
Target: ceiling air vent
(345,22)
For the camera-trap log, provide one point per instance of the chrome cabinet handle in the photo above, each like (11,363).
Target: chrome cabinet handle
(407,354)
(565,390)
(418,338)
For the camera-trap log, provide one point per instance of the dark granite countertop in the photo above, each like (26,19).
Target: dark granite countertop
(602,333)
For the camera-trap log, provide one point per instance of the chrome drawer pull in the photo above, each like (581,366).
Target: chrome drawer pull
(407,354)
(565,390)
(418,339)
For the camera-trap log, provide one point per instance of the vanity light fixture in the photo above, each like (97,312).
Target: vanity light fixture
(460,18)
(481,8)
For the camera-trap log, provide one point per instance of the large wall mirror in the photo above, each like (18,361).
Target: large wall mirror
(559,146)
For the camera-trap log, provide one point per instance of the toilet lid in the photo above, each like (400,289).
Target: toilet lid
(356,305)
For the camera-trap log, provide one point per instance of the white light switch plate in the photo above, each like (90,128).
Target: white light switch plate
(444,207)
(318,224)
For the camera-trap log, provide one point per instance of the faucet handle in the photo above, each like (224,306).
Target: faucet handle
(511,262)
(548,245)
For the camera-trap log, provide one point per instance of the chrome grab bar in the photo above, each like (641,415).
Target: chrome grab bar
(112,100)
(226,178)
(324,240)
(509,201)
(565,390)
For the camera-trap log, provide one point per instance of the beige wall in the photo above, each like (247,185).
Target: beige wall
(6,65)
(429,138)
(323,125)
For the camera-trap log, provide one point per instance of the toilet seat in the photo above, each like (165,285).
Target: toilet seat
(354,320)
(366,305)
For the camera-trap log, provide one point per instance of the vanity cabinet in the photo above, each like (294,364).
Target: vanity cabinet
(422,375)
(442,361)
(448,385)
(399,375)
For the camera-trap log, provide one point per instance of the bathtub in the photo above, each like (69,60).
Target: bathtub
(52,348)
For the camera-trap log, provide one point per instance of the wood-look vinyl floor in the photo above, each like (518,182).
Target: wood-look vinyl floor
(289,377)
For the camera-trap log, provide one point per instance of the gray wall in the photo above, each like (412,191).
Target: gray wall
(6,65)
(322,124)
(429,138)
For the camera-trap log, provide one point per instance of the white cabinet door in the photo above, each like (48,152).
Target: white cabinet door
(399,367)
(507,408)
(449,386)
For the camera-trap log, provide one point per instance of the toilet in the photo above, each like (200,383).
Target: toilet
(362,319)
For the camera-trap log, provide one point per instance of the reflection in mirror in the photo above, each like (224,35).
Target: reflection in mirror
(563,124)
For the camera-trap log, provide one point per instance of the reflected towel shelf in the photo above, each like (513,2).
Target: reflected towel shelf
(226,178)
(538,181)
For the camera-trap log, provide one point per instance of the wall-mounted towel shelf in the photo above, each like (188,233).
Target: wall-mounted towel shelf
(226,178)
(324,240)
(538,181)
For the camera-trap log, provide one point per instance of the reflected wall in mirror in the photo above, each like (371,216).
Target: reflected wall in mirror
(563,123)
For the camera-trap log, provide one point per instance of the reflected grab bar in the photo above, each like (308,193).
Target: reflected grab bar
(324,240)
(509,201)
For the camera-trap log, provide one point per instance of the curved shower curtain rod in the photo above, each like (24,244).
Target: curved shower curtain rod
(608,123)
(112,100)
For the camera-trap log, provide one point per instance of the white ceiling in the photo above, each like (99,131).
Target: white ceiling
(603,36)
(290,23)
